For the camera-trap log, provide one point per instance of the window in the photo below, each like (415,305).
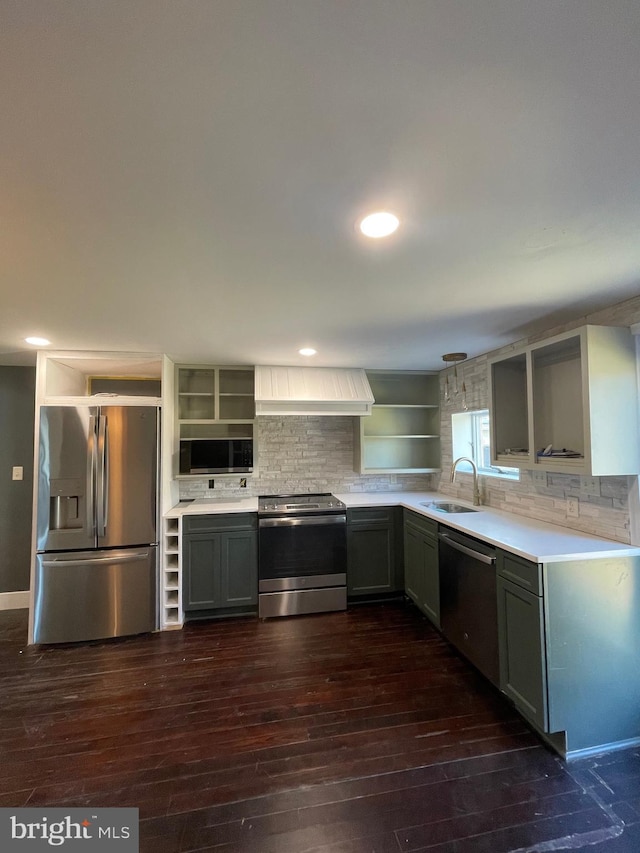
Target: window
(471,438)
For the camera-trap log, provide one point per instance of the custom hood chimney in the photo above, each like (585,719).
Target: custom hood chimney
(312,391)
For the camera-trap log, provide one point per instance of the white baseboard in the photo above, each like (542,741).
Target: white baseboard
(14,600)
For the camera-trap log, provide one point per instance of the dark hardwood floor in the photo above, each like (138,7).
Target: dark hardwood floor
(337,733)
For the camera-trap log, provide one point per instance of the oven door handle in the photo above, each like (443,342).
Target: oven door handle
(303,521)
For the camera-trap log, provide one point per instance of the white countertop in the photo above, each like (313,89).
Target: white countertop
(209,506)
(534,540)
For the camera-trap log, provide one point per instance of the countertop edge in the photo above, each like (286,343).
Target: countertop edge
(213,507)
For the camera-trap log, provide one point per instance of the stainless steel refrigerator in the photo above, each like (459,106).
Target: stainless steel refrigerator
(96,523)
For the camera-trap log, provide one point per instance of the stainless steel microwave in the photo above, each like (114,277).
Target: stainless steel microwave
(216,456)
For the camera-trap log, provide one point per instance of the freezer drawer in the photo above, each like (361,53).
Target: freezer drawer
(93,595)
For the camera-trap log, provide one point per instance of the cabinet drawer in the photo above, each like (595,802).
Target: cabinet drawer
(384,514)
(421,522)
(222,522)
(522,572)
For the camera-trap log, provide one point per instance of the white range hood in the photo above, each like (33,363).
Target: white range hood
(312,391)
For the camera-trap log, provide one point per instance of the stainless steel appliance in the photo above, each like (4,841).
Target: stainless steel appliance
(302,549)
(468,600)
(216,456)
(96,523)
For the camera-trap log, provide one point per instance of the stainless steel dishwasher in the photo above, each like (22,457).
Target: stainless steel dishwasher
(468,600)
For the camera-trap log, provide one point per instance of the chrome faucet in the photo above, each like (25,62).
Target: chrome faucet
(476,489)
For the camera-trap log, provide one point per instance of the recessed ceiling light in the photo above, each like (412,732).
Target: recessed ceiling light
(38,342)
(379,224)
(307,351)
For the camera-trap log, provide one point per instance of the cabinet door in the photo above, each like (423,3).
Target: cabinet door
(431,580)
(201,571)
(412,563)
(239,569)
(523,669)
(371,559)
(421,573)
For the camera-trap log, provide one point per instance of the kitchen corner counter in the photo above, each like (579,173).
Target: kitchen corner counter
(208,506)
(533,540)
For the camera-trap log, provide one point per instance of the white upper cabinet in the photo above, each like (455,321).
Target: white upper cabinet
(215,404)
(75,377)
(568,404)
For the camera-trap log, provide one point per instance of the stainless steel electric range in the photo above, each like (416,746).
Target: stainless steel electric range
(302,548)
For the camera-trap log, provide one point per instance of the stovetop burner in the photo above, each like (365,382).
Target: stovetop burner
(296,504)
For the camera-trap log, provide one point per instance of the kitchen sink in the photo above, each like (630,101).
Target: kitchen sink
(448,506)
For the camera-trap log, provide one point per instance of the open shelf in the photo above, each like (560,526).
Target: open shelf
(171,615)
(575,392)
(510,407)
(402,434)
(391,387)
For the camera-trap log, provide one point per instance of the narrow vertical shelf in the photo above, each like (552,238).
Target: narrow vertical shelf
(171,613)
(509,404)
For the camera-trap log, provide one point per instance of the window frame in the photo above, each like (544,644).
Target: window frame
(466,429)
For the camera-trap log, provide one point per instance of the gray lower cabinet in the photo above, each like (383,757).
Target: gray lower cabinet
(569,638)
(521,638)
(421,572)
(374,552)
(219,564)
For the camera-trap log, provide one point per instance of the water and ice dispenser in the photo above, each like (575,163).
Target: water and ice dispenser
(66,502)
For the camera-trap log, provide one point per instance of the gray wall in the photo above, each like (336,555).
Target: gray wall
(17,392)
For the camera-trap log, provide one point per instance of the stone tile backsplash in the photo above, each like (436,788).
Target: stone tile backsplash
(299,454)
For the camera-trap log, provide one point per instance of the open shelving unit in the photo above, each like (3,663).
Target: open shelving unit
(402,434)
(214,402)
(509,420)
(171,614)
(574,394)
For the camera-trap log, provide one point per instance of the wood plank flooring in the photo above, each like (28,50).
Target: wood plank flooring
(336,733)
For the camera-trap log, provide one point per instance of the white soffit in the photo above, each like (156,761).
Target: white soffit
(312,391)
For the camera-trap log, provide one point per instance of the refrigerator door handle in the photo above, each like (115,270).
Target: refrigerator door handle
(91,477)
(105,477)
(102,469)
(125,558)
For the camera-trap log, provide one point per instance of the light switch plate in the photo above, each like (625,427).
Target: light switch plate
(17,472)
(573,508)
(540,478)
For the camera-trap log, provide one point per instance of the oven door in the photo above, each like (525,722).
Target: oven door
(302,552)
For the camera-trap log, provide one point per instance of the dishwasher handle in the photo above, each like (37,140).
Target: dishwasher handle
(477,555)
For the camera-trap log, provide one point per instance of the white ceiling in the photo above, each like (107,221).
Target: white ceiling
(183,176)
